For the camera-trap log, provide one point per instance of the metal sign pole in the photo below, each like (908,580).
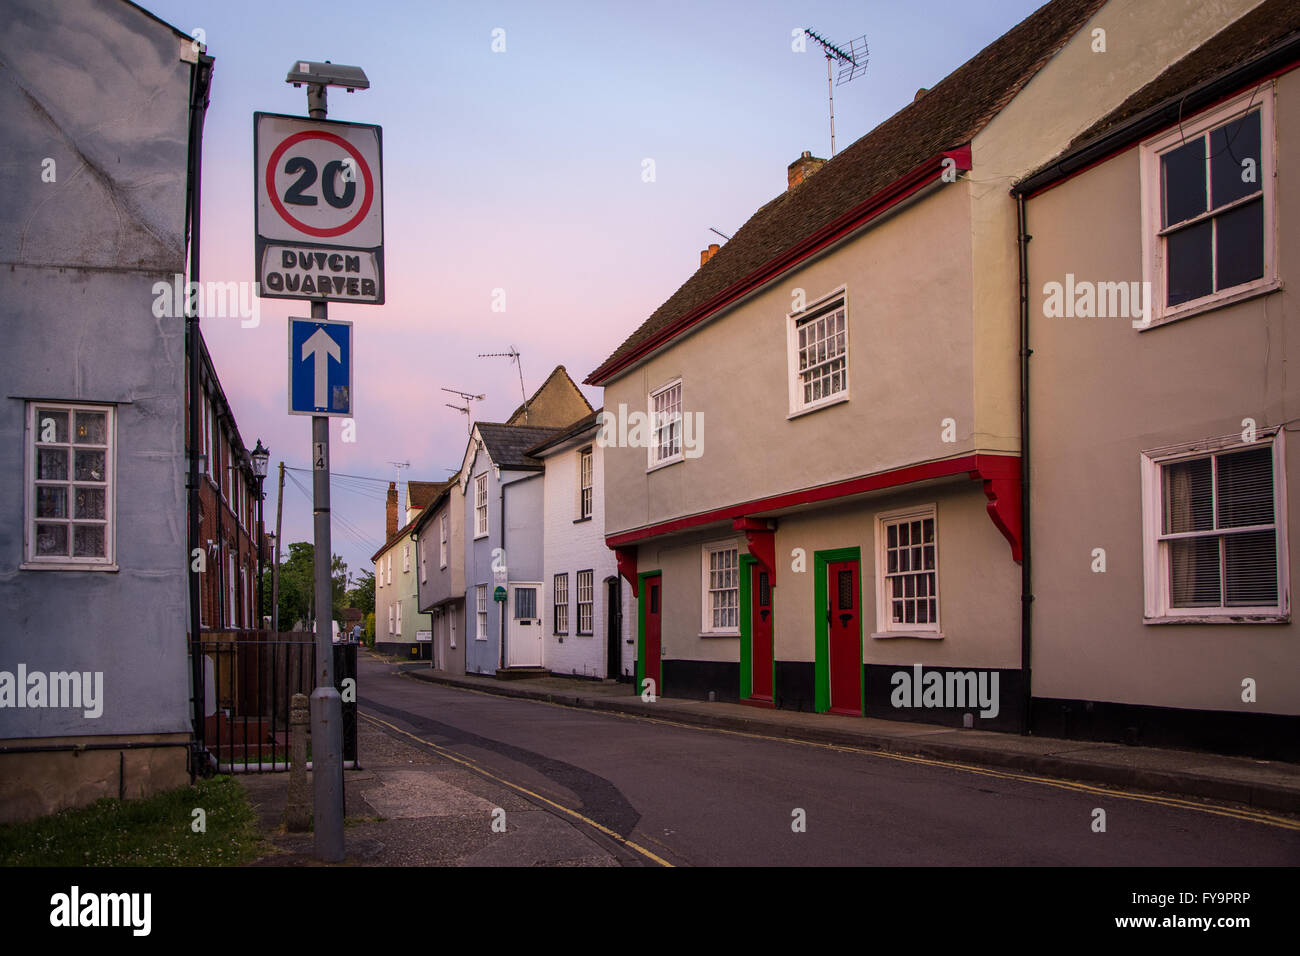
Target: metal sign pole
(326,704)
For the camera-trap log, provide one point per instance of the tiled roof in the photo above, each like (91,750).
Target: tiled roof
(1253,34)
(420,494)
(577,428)
(509,444)
(945,118)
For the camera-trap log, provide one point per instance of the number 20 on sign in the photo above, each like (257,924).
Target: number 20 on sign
(319,209)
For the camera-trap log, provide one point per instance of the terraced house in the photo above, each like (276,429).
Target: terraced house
(1163,466)
(826,510)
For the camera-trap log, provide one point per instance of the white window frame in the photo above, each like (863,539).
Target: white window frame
(707,628)
(398,606)
(885,626)
(586,482)
(1153,244)
(389,572)
(34,562)
(589,604)
(480,510)
(826,304)
(390,621)
(653,461)
(406,558)
(1155,556)
(481,615)
(423,558)
(442,541)
(560,604)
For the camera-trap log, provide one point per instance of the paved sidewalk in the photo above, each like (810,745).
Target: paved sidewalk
(1266,785)
(410,807)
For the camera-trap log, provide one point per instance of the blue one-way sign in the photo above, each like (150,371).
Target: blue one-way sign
(320,367)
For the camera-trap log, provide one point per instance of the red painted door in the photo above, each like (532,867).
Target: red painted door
(761,620)
(845,637)
(652,617)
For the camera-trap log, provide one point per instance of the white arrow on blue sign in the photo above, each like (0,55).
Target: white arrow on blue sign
(320,367)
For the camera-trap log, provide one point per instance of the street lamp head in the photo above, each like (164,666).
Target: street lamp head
(327,74)
(261,456)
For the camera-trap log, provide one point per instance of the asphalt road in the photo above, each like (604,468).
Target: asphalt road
(700,797)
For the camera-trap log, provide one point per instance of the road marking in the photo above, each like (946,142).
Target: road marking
(537,796)
(1250,816)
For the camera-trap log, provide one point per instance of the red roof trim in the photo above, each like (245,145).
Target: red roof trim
(1002,468)
(873,206)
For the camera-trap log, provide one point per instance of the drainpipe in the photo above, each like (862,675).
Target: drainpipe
(1026,552)
(200,83)
(506,603)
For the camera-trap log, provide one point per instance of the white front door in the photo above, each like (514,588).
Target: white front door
(524,638)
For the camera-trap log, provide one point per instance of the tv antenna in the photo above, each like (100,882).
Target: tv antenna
(852,63)
(467,398)
(513,355)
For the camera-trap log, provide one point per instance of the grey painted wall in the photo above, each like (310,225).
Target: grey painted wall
(81,255)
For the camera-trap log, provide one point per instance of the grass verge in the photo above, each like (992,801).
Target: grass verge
(154,831)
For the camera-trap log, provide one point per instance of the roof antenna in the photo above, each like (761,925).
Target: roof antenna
(853,64)
(467,398)
(513,355)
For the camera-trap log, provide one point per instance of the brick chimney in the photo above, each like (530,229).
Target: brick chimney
(709,253)
(801,169)
(390,524)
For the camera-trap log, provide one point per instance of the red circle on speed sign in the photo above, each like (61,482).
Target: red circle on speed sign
(274,194)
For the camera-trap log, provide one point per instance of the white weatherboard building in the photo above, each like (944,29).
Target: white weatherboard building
(588,608)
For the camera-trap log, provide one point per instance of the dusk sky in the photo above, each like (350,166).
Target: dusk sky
(522,171)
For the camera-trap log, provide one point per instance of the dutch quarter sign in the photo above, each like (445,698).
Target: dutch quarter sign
(319,210)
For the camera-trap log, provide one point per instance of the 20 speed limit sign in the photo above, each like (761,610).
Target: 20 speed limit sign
(320,209)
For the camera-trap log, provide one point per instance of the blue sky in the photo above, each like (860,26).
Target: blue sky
(522,170)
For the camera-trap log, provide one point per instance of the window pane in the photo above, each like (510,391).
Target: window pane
(1230,145)
(51,425)
(51,539)
(1189,262)
(89,465)
(1251,573)
(91,428)
(1188,498)
(89,502)
(1194,572)
(1246,488)
(52,464)
(525,602)
(1183,181)
(88,541)
(52,502)
(1240,245)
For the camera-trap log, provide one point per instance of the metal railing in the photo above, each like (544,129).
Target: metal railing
(250,678)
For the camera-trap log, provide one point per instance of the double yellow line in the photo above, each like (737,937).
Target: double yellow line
(631,845)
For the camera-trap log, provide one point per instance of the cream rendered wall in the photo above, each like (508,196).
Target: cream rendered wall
(1073,91)
(979,584)
(1102,392)
(908,283)
(681,598)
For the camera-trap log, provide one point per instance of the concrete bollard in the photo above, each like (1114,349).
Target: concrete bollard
(297,811)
